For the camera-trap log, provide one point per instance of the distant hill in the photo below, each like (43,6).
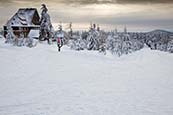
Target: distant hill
(158,31)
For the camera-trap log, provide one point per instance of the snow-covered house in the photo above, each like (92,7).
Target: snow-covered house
(25,21)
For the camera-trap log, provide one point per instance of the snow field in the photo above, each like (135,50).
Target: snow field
(43,81)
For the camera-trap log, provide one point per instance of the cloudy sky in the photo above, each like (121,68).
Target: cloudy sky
(136,15)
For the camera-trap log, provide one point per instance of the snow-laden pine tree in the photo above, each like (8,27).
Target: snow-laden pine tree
(46,28)
(102,40)
(93,43)
(114,44)
(10,37)
(95,38)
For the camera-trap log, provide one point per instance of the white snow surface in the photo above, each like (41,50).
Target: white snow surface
(34,33)
(43,81)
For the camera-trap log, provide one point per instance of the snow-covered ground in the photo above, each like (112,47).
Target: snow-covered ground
(42,81)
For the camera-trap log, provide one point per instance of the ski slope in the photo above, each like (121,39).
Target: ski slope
(42,81)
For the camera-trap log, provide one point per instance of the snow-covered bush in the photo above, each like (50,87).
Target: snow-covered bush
(170,46)
(77,44)
(30,42)
(102,48)
(10,37)
(20,41)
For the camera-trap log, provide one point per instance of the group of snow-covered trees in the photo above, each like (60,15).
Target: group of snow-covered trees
(116,43)
(122,43)
(119,43)
(160,40)
(94,39)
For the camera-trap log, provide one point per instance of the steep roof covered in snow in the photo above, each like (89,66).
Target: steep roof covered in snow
(25,17)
